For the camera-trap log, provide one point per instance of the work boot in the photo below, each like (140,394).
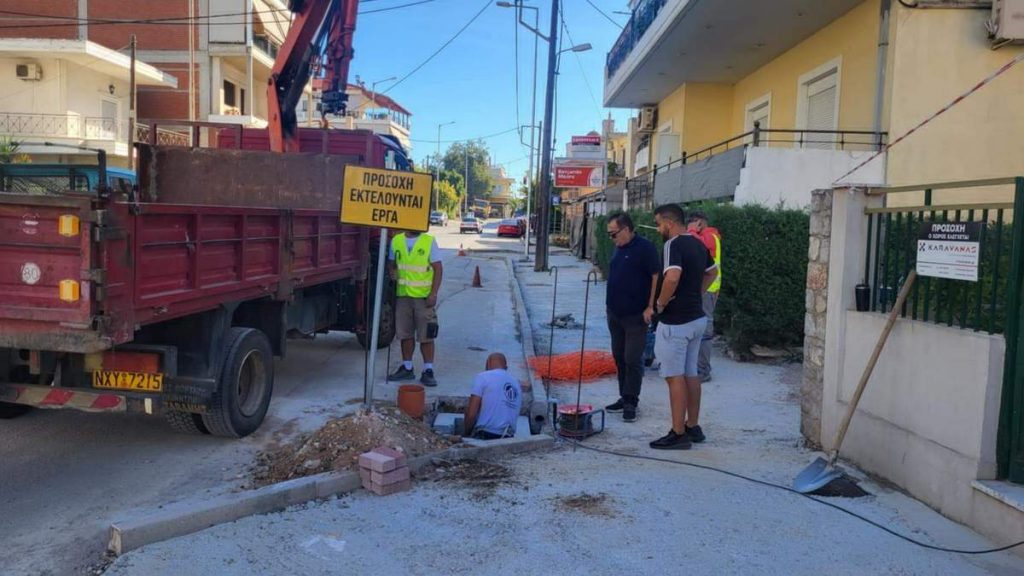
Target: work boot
(616,407)
(629,413)
(427,378)
(695,434)
(402,373)
(672,441)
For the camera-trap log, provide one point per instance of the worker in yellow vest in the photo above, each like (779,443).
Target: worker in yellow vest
(712,239)
(415,264)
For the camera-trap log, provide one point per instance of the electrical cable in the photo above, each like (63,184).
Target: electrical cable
(583,71)
(606,16)
(483,9)
(847,511)
(484,137)
(906,4)
(390,8)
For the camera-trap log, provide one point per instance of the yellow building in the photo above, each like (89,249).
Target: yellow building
(825,81)
(501,192)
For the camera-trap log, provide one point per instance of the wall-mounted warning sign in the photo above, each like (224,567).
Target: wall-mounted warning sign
(949,250)
(386,198)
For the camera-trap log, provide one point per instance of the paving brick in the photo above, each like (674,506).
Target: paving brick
(387,478)
(377,462)
(365,476)
(391,488)
(388,451)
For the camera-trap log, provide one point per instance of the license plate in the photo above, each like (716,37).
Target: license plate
(141,381)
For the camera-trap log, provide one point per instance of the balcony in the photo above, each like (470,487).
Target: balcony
(667,43)
(769,167)
(32,130)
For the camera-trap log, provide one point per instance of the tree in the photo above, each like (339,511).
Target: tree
(447,198)
(480,181)
(9,152)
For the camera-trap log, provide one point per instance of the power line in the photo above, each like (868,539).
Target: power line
(388,9)
(583,71)
(484,8)
(484,137)
(602,12)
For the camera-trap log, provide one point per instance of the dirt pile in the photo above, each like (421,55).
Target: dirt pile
(483,479)
(599,504)
(338,444)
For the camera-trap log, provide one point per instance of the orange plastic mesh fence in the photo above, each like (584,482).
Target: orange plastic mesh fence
(566,367)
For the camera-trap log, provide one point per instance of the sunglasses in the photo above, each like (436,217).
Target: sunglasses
(614,234)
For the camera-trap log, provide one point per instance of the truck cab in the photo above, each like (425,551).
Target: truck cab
(57,179)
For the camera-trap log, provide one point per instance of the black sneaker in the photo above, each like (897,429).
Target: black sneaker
(427,378)
(402,373)
(695,434)
(672,441)
(616,407)
(629,414)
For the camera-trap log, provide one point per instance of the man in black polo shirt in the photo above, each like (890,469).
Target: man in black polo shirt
(688,271)
(632,279)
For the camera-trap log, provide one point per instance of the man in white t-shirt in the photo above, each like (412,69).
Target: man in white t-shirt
(495,402)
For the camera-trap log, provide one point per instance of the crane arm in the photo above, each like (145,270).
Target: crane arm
(319,41)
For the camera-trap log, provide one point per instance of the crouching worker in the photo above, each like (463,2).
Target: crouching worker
(495,402)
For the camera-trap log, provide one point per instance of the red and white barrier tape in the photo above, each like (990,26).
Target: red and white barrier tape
(954,102)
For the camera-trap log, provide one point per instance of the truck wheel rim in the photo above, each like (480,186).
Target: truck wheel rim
(252,380)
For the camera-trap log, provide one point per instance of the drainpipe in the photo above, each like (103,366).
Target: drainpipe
(885,9)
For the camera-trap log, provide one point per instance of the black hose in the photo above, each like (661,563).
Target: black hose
(792,491)
(906,4)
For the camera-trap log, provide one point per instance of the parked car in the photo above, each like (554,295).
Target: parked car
(438,218)
(513,228)
(470,224)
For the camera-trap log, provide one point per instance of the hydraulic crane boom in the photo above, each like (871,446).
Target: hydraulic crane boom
(319,41)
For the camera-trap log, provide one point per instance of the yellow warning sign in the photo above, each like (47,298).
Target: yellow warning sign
(386,198)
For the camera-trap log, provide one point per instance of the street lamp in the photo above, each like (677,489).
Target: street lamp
(437,161)
(373,87)
(578,48)
(544,208)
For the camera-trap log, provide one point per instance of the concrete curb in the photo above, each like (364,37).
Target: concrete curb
(523,322)
(188,517)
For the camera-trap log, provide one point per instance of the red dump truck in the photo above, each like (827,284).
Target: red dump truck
(174,297)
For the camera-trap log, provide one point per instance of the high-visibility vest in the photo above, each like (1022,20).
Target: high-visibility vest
(415,274)
(717,284)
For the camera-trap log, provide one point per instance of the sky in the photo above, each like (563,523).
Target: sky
(473,80)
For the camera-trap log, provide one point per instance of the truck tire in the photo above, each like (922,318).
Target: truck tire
(8,410)
(387,325)
(186,422)
(246,382)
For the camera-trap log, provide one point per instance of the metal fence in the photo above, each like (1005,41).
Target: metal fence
(891,253)
(640,189)
(63,126)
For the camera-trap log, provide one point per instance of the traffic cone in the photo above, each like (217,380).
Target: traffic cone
(476,278)
(462,251)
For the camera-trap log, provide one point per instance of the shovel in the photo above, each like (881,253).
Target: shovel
(820,472)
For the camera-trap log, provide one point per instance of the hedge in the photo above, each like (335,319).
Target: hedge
(764,264)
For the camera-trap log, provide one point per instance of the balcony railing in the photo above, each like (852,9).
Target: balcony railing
(164,137)
(640,189)
(63,126)
(642,18)
(381,114)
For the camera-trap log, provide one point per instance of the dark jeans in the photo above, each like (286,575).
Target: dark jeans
(629,336)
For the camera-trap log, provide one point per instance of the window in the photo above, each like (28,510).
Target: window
(229,94)
(242,103)
(818,104)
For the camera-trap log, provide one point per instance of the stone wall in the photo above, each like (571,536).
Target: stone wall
(814,322)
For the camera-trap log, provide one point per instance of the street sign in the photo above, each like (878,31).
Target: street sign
(556,200)
(591,139)
(387,198)
(391,199)
(949,250)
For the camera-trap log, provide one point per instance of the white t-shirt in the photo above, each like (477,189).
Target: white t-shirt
(410,241)
(500,400)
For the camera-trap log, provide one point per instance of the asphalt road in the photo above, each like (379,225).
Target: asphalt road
(64,475)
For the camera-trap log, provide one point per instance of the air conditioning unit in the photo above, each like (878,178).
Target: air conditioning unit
(28,71)
(647,119)
(1007,23)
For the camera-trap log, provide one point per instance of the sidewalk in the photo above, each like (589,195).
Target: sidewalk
(577,511)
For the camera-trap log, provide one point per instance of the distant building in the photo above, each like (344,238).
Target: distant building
(367,110)
(501,192)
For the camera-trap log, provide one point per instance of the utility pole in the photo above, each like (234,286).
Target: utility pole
(437,164)
(533,135)
(131,107)
(544,205)
(465,202)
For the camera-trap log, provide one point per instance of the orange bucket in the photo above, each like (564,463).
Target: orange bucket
(412,399)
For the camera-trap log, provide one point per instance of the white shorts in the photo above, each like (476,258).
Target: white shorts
(677,347)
